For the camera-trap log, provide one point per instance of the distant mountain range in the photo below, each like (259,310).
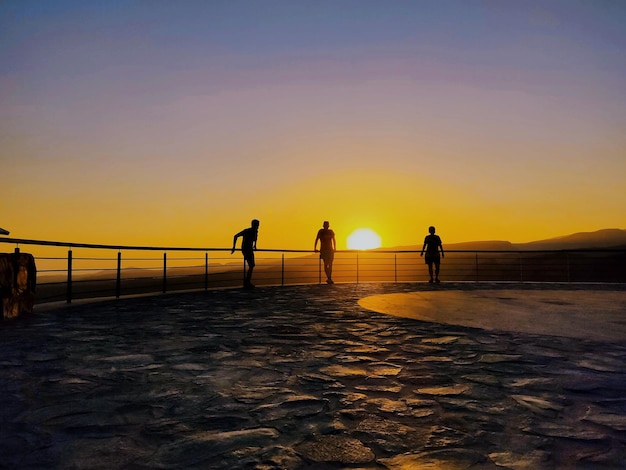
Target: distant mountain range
(607,238)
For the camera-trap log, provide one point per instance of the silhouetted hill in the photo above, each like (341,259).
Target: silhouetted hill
(607,238)
(481,245)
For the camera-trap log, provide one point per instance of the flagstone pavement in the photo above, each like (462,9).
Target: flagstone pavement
(305,377)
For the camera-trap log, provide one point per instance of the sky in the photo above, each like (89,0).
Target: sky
(154,122)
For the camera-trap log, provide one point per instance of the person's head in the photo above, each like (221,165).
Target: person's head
(431,230)
(326,224)
(255,223)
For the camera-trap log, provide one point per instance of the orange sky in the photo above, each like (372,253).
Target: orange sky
(175,124)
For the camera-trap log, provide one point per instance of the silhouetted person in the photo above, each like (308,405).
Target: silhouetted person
(248,245)
(328,245)
(432,245)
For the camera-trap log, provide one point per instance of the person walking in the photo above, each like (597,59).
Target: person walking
(432,245)
(328,246)
(248,245)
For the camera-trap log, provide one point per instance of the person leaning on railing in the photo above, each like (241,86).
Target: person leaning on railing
(248,245)
(328,246)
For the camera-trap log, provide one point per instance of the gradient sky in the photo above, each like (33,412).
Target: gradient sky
(176,122)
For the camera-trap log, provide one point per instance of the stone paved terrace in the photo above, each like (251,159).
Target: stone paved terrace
(306,377)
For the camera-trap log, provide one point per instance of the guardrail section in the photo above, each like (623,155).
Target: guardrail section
(68,271)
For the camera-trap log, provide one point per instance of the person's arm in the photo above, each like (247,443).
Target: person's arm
(423,248)
(441,248)
(316,240)
(334,243)
(235,241)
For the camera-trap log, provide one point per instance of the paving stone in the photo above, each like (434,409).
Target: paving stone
(453,459)
(338,449)
(297,378)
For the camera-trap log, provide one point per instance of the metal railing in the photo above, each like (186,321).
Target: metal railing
(69,271)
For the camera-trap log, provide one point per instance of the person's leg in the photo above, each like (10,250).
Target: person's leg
(251,264)
(430,271)
(328,269)
(437,264)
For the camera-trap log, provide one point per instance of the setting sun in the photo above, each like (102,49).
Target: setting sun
(363,239)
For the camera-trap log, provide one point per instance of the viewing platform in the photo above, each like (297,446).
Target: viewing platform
(368,376)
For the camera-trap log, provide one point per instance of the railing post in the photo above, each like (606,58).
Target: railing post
(521,268)
(206,271)
(357,267)
(118,281)
(282,270)
(164,273)
(69,277)
(476,267)
(395,268)
(319,271)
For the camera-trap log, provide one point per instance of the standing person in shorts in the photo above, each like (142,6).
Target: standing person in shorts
(432,245)
(328,246)
(248,245)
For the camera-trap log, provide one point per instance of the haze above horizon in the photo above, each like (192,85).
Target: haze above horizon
(176,123)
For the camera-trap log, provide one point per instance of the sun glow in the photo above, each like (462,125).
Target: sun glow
(364,239)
